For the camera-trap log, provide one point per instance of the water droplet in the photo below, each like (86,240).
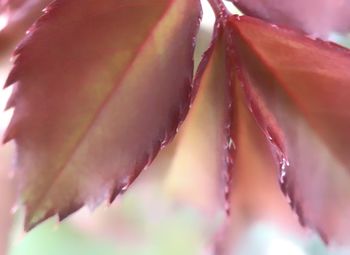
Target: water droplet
(269,137)
(125,183)
(283,164)
(164,141)
(283,175)
(124,188)
(231,144)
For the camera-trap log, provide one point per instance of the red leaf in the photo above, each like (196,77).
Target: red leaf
(201,161)
(255,195)
(16,16)
(202,167)
(299,89)
(253,192)
(312,16)
(99,88)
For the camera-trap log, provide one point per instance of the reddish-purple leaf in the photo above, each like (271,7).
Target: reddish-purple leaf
(201,161)
(99,87)
(317,17)
(255,195)
(16,16)
(299,90)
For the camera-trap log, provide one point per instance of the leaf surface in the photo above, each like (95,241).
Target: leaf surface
(99,87)
(299,90)
(317,17)
(254,192)
(222,153)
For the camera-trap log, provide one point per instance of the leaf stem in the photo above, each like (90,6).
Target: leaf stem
(219,9)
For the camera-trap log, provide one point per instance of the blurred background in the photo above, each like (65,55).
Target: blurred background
(154,216)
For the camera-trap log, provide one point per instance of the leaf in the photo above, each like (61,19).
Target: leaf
(99,89)
(16,16)
(318,17)
(201,161)
(300,90)
(254,191)
(207,159)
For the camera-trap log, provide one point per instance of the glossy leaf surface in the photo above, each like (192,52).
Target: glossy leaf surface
(317,17)
(99,87)
(299,91)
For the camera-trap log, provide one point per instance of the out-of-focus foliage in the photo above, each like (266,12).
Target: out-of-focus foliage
(7,191)
(316,17)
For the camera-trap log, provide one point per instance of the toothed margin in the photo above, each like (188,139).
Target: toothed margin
(177,118)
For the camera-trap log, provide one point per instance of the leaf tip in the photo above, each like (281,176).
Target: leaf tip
(114,193)
(11,102)
(8,135)
(33,219)
(63,214)
(11,78)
